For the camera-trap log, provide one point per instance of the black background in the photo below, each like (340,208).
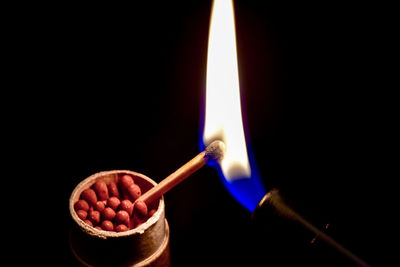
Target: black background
(120,87)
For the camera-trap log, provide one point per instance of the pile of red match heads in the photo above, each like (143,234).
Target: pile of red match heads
(112,207)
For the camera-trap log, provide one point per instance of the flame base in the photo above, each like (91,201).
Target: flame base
(247,191)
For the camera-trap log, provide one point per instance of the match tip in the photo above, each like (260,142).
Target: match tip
(216,150)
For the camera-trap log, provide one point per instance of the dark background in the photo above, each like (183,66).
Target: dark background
(120,87)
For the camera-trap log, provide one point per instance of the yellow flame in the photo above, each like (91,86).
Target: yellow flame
(223,118)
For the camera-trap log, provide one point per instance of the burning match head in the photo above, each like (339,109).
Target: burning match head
(216,150)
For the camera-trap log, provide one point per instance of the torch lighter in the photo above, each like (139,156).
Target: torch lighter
(273,210)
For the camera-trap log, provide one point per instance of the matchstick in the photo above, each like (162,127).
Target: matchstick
(214,151)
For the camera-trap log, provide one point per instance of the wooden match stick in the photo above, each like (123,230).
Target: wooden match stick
(214,151)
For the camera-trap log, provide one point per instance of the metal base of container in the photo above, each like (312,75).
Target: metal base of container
(145,245)
(160,258)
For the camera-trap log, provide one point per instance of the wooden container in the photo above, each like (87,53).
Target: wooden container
(145,245)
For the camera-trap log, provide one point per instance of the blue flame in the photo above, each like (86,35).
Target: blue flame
(247,191)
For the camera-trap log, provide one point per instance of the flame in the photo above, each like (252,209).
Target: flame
(223,118)
(223,115)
